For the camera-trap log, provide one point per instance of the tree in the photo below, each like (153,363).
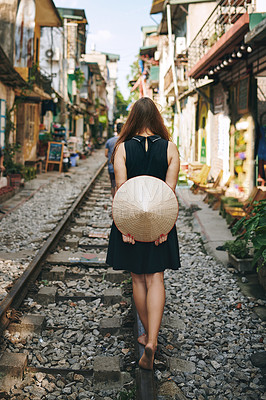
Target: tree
(121,105)
(133,77)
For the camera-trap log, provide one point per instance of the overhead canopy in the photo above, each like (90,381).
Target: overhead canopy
(8,75)
(47,13)
(73,13)
(148,50)
(159,5)
(258,34)
(112,57)
(176,14)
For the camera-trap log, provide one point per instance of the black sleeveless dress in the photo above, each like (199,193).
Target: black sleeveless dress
(144,258)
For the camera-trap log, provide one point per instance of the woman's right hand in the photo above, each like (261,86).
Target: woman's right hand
(161,239)
(128,239)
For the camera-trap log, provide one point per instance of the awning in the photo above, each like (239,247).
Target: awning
(148,50)
(223,46)
(258,34)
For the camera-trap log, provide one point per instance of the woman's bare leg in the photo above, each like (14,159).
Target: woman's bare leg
(140,299)
(155,300)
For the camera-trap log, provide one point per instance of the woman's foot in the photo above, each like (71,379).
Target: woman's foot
(146,361)
(143,339)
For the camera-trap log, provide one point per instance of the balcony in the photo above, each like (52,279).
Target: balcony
(40,79)
(227,23)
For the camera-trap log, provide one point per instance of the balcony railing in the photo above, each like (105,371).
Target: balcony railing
(40,79)
(225,14)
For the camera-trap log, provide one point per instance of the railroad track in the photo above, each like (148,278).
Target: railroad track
(68,320)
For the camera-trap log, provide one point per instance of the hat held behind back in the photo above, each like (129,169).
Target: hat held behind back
(145,207)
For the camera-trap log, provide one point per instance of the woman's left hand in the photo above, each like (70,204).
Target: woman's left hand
(128,239)
(161,239)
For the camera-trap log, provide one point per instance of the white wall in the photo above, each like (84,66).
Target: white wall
(52,39)
(198,13)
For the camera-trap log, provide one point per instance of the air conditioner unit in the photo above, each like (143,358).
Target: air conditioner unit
(180,45)
(157,55)
(53,54)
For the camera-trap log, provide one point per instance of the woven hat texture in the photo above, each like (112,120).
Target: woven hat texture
(145,207)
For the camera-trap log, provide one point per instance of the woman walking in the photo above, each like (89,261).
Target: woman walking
(143,148)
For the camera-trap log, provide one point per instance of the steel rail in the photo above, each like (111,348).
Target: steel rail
(146,388)
(20,288)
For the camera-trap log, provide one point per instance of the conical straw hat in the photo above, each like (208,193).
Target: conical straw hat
(145,207)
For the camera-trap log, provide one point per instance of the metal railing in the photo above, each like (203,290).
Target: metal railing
(223,17)
(40,79)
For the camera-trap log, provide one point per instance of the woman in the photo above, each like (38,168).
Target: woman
(143,148)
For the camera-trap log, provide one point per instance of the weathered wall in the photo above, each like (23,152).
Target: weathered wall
(197,15)
(8,10)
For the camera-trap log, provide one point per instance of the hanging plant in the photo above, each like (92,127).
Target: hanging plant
(79,77)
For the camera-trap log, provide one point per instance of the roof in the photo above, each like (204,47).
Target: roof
(47,14)
(149,50)
(8,75)
(149,28)
(73,13)
(94,68)
(159,5)
(112,57)
(257,34)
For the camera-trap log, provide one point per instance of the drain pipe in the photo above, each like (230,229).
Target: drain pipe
(171,52)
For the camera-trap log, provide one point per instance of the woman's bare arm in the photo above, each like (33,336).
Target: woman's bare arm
(120,165)
(121,177)
(171,176)
(173,165)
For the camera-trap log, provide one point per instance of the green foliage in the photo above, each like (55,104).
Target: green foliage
(253,229)
(127,394)
(79,77)
(133,76)
(237,247)
(11,167)
(121,105)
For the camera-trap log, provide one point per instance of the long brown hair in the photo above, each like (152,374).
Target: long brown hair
(143,115)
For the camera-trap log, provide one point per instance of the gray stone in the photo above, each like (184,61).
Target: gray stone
(169,390)
(57,273)
(116,276)
(110,325)
(259,359)
(72,242)
(173,322)
(106,369)
(112,296)
(77,232)
(13,364)
(46,295)
(29,323)
(178,364)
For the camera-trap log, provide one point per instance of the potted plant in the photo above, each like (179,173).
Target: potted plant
(252,229)
(239,254)
(13,170)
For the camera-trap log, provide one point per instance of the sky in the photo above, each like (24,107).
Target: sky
(115,27)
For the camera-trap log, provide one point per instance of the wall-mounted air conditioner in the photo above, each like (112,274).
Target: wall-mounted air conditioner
(53,54)
(180,45)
